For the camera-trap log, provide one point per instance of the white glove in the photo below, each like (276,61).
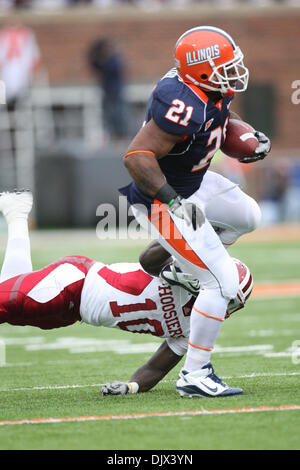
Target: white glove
(173,276)
(119,388)
(261,151)
(189,211)
(115,388)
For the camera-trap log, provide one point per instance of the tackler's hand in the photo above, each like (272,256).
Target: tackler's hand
(119,388)
(115,388)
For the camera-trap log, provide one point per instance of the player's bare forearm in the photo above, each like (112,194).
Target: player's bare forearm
(145,171)
(156,368)
(148,146)
(154,258)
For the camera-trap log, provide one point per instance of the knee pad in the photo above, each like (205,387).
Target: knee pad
(225,279)
(253,215)
(229,280)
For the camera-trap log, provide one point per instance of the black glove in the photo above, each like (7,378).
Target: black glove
(263,148)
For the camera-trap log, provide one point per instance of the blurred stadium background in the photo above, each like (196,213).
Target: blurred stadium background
(57,128)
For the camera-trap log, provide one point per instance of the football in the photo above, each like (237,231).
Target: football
(240,139)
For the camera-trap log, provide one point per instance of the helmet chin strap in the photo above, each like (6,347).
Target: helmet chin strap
(228,94)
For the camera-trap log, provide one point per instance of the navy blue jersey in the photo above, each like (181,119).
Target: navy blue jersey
(184,110)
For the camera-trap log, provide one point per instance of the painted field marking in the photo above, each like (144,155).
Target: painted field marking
(151,415)
(147,347)
(276,289)
(2,353)
(65,387)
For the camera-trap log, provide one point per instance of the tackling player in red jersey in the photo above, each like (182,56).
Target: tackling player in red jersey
(194,213)
(121,295)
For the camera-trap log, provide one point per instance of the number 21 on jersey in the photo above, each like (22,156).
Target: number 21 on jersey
(174,112)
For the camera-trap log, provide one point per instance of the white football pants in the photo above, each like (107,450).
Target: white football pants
(202,253)
(229,211)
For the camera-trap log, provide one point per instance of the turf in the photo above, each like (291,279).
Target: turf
(59,373)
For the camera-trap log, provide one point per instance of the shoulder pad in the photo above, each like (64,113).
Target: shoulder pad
(176,108)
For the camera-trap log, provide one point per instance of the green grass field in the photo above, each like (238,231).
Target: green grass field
(58,374)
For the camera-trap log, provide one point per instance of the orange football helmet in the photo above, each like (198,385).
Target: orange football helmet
(209,58)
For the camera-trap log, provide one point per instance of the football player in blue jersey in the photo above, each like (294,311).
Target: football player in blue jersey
(194,213)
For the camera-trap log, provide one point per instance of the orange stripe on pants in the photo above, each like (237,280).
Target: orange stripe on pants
(163,222)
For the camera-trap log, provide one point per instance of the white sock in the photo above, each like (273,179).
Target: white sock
(17,259)
(204,327)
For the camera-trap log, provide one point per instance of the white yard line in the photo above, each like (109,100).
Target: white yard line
(61,387)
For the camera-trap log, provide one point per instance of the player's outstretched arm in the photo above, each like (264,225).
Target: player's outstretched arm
(147,376)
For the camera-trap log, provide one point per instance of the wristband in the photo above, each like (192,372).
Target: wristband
(166,194)
(133,387)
